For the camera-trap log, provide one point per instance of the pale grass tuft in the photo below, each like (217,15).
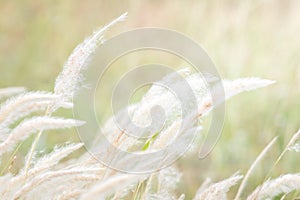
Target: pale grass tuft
(55,156)
(49,161)
(167,180)
(20,106)
(272,188)
(108,187)
(30,126)
(237,86)
(60,177)
(230,89)
(218,190)
(68,81)
(167,136)
(43,164)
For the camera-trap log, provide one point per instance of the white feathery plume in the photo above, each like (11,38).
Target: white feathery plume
(61,176)
(157,95)
(168,178)
(69,79)
(108,187)
(272,188)
(54,157)
(17,107)
(226,89)
(142,116)
(48,161)
(30,126)
(181,131)
(6,92)
(63,187)
(162,185)
(114,134)
(218,190)
(156,89)
(160,96)
(43,164)
(167,136)
(67,185)
(230,88)
(237,86)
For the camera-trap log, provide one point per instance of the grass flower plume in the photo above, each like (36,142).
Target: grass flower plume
(52,176)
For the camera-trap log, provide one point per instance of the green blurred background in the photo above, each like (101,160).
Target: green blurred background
(243,38)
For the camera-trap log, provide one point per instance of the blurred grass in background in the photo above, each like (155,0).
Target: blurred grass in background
(243,38)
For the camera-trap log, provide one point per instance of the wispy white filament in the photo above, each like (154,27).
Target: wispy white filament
(16,108)
(69,79)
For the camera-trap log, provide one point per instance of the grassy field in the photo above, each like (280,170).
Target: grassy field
(243,38)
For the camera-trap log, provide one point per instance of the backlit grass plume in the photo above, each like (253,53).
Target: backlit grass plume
(52,176)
